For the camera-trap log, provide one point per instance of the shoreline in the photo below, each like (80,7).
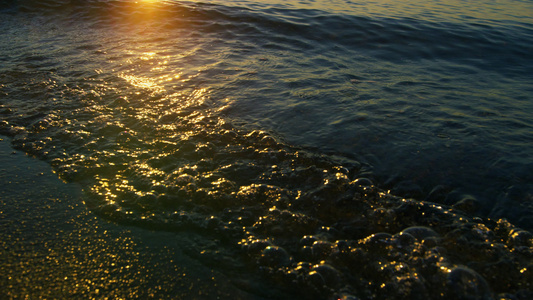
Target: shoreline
(54,247)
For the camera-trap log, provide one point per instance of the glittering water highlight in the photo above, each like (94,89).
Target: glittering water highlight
(274,131)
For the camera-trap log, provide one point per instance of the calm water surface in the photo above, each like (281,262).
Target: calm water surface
(349,122)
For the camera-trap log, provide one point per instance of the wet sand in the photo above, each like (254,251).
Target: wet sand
(53,247)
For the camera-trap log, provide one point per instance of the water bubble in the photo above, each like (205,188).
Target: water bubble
(521,238)
(147,201)
(257,246)
(346,297)
(213,223)
(329,274)
(307,253)
(468,203)
(321,249)
(377,238)
(274,256)
(407,188)
(316,279)
(362,182)
(465,283)
(404,240)
(268,140)
(437,194)
(342,245)
(421,232)
(229,135)
(40,125)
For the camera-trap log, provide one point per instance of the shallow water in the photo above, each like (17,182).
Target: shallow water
(348,123)
(52,247)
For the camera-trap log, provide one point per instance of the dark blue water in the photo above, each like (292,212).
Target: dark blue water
(339,120)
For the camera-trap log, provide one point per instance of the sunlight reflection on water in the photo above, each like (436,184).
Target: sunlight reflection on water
(173,116)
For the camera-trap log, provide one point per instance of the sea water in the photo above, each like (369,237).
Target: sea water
(364,149)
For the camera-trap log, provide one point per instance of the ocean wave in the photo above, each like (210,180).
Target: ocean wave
(145,107)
